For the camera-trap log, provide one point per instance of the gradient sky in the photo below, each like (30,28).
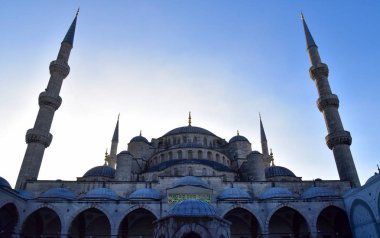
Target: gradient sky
(225,61)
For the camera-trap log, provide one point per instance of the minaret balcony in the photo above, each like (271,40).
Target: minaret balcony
(60,67)
(318,71)
(38,136)
(325,101)
(45,99)
(338,138)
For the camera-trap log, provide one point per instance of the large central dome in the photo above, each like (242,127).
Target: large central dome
(189,130)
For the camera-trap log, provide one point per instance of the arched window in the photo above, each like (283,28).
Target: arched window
(162,158)
(175,171)
(190,154)
(200,154)
(190,170)
(170,155)
(205,141)
(224,160)
(217,158)
(184,138)
(179,154)
(209,155)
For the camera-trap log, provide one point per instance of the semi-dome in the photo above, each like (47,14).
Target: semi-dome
(101,171)
(139,139)
(276,192)
(4,183)
(315,192)
(58,193)
(192,208)
(145,194)
(238,138)
(234,194)
(190,181)
(274,171)
(189,130)
(24,194)
(101,193)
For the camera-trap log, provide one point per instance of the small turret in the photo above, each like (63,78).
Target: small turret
(124,166)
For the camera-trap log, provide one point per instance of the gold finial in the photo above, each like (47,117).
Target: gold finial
(260,116)
(140,133)
(302,18)
(106,152)
(189,118)
(118,116)
(237,132)
(77,12)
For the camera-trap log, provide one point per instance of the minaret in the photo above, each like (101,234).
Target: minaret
(115,141)
(38,138)
(338,140)
(264,143)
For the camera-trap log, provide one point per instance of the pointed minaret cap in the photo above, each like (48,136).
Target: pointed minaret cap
(262,132)
(309,38)
(69,37)
(115,137)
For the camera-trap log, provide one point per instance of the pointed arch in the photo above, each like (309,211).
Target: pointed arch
(9,218)
(287,222)
(363,220)
(333,221)
(138,222)
(243,223)
(43,222)
(90,222)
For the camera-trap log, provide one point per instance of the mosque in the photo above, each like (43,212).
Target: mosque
(189,182)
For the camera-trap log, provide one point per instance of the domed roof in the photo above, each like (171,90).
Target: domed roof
(24,194)
(190,181)
(139,139)
(234,194)
(101,193)
(373,178)
(192,208)
(101,171)
(238,138)
(315,192)
(274,171)
(189,130)
(62,193)
(145,194)
(276,192)
(4,183)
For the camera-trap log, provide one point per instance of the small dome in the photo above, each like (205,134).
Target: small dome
(192,208)
(101,193)
(4,183)
(315,192)
(101,171)
(189,130)
(62,193)
(276,192)
(190,181)
(24,194)
(238,138)
(145,194)
(274,171)
(139,139)
(234,194)
(373,178)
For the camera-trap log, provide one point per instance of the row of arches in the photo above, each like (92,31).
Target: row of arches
(285,222)
(190,154)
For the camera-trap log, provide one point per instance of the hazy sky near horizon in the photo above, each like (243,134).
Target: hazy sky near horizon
(225,61)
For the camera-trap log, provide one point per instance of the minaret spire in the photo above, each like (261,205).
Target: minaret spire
(115,141)
(338,140)
(264,143)
(38,138)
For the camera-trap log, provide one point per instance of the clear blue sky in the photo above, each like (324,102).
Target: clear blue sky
(226,61)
